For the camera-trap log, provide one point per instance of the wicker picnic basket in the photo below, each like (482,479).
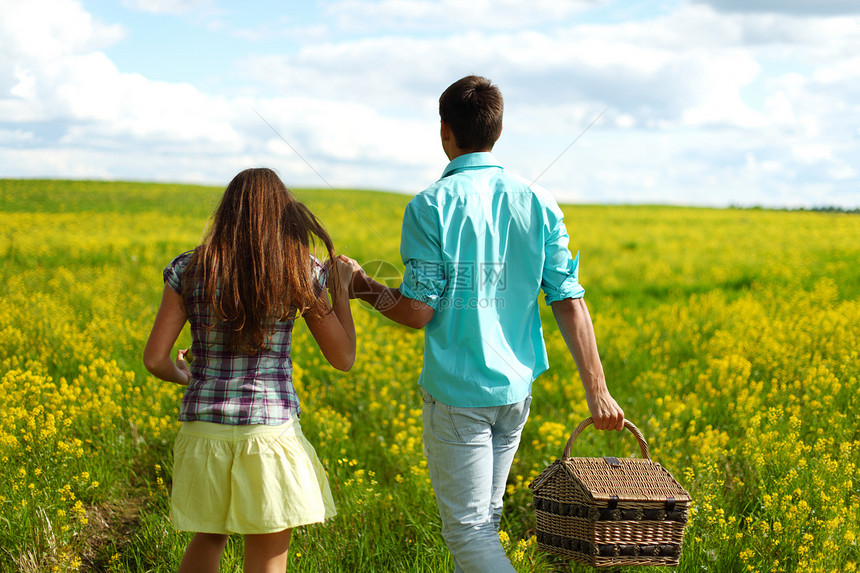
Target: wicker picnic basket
(610,512)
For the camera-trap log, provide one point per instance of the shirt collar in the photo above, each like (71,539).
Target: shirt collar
(471,161)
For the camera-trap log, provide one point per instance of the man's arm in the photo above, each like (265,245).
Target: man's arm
(389,301)
(576,328)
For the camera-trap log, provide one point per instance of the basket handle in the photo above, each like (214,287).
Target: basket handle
(643,445)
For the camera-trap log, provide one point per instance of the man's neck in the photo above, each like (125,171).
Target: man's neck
(457,152)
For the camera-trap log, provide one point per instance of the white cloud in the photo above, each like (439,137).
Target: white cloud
(25,88)
(348,132)
(680,123)
(720,100)
(805,7)
(840,77)
(167,6)
(84,90)
(280,28)
(39,37)
(17,136)
(641,73)
(43,30)
(86,118)
(843,172)
(448,15)
(812,153)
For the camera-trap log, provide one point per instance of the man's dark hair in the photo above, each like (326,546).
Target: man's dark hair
(472,107)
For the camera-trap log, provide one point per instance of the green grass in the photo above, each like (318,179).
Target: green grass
(729,337)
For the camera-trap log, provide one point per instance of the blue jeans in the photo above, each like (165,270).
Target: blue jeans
(469,454)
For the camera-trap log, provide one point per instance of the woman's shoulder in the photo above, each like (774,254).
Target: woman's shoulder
(180,262)
(183,258)
(176,268)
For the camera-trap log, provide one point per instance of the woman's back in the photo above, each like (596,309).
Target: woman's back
(240,461)
(230,385)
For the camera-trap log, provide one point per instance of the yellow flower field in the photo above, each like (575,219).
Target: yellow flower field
(730,337)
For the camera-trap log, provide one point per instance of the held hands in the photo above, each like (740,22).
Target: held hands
(349,275)
(342,275)
(357,277)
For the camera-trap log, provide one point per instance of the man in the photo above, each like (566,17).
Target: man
(478,246)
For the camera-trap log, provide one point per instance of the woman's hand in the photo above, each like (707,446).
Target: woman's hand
(168,324)
(343,268)
(334,331)
(182,363)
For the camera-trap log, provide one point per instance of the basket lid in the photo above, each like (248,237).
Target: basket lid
(605,479)
(630,479)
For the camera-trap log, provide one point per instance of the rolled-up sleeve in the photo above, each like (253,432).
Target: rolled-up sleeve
(172,274)
(319,273)
(424,277)
(560,278)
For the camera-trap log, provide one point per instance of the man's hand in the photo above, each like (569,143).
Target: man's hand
(357,278)
(605,411)
(388,300)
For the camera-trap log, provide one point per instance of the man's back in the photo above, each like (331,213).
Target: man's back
(478,246)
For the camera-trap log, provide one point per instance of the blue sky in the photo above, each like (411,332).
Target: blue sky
(703,102)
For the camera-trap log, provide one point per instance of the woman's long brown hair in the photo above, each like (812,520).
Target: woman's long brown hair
(255,259)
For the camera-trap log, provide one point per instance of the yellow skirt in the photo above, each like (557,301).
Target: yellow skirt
(246,479)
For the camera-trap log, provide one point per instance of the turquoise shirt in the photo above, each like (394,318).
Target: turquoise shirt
(478,246)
